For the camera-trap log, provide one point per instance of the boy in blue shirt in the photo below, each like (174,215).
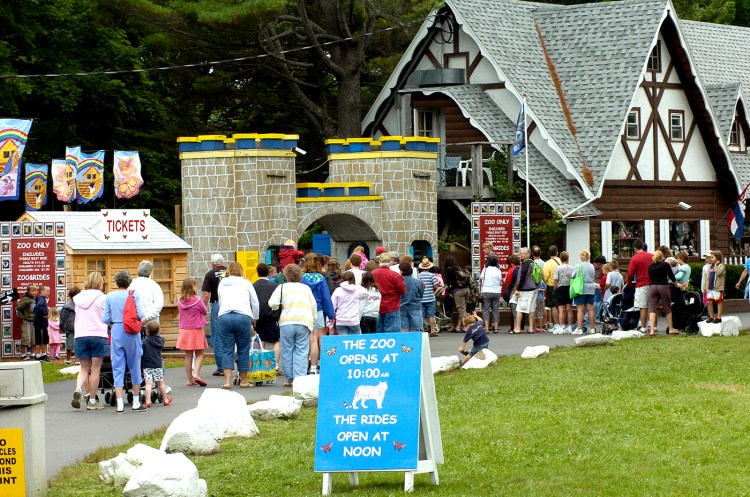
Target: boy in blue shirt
(474,331)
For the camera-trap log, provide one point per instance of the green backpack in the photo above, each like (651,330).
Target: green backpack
(536,273)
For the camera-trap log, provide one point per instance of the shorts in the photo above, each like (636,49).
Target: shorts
(550,297)
(320,321)
(477,348)
(411,320)
(88,347)
(584,300)
(641,297)
(526,302)
(27,333)
(428,309)
(714,296)
(153,374)
(70,338)
(658,293)
(41,335)
(539,308)
(562,296)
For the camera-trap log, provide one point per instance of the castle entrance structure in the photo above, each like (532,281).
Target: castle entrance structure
(241,194)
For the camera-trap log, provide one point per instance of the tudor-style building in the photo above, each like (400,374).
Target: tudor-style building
(636,121)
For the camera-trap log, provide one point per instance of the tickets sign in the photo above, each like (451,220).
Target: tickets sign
(499,224)
(369,403)
(125,225)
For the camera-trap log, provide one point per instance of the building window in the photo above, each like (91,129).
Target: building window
(683,236)
(424,122)
(99,266)
(677,125)
(654,59)
(734,135)
(162,274)
(623,235)
(633,128)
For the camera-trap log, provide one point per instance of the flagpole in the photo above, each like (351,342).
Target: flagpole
(528,205)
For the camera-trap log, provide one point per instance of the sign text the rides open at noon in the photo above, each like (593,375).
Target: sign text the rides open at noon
(369,403)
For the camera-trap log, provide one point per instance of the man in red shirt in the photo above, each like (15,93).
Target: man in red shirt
(392,287)
(638,272)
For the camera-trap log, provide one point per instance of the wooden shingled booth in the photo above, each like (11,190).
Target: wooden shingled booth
(88,248)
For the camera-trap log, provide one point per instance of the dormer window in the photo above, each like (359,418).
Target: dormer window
(654,60)
(734,135)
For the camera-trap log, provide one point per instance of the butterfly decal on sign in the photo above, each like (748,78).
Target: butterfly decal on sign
(398,446)
(331,351)
(406,349)
(326,448)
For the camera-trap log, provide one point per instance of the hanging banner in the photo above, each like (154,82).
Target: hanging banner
(90,176)
(63,180)
(72,158)
(13,136)
(127,171)
(36,186)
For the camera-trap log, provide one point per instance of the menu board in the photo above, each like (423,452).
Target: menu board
(369,403)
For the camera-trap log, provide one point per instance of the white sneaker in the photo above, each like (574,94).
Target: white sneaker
(577,331)
(558,329)
(568,330)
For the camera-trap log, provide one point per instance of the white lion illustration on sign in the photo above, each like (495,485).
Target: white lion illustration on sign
(370,392)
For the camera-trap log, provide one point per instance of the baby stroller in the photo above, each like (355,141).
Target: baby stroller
(693,312)
(629,315)
(107,383)
(441,317)
(610,314)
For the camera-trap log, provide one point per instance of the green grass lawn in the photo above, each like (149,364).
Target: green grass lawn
(648,417)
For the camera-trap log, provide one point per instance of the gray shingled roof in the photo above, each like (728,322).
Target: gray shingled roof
(553,188)
(741,164)
(598,50)
(723,100)
(719,51)
(82,234)
(483,112)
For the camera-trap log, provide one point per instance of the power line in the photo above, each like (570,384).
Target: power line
(210,63)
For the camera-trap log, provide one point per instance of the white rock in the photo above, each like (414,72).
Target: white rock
(118,470)
(229,411)
(625,334)
(594,340)
(305,388)
(532,352)
(276,407)
(140,454)
(482,359)
(730,326)
(71,370)
(171,475)
(709,329)
(195,431)
(445,363)
(107,469)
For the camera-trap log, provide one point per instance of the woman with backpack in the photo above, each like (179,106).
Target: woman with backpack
(585,301)
(458,285)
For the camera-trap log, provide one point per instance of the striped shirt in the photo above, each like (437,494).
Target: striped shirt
(297,304)
(429,282)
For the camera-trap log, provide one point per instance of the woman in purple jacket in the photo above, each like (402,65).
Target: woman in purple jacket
(192,339)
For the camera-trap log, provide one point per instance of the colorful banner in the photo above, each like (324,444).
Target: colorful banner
(72,158)
(127,171)
(36,186)
(498,223)
(63,180)
(90,176)
(13,136)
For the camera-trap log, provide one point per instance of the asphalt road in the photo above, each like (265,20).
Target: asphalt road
(71,433)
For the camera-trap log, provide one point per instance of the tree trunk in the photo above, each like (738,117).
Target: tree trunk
(350,105)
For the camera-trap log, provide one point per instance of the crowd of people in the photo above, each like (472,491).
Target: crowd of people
(314,295)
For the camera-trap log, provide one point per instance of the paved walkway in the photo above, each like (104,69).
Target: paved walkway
(71,434)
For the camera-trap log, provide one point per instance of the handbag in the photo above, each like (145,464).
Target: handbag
(262,363)
(576,284)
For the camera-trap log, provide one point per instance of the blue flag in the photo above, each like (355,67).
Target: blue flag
(519,143)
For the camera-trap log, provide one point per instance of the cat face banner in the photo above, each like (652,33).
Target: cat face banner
(63,180)
(13,136)
(90,176)
(36,186)
(72,158)
(127,172)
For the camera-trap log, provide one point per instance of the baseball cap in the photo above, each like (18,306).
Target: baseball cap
(217,259)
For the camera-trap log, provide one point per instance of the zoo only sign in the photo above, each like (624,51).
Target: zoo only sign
(369,403)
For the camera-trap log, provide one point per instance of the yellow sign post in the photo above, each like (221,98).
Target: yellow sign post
(12,463)
(249,261)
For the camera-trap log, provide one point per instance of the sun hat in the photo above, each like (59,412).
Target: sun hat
(385,259)
(425,264)
(289,243)
(217,259)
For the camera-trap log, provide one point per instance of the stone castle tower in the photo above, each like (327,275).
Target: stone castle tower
(241,194)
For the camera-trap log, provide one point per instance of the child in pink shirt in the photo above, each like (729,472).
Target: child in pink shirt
(55,337)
